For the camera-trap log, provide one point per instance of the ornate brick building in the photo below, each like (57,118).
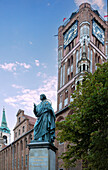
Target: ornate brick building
(16,155)
(82,42)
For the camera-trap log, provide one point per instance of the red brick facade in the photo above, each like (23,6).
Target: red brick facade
(71,69)
(16,155)
(80,55)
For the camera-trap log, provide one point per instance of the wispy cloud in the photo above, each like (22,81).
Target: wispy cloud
(13,66)
(30,42)
(37,63)
(39,74)
(8,66)
(48,4)
(16,86)
(44,65)
(27,97)
(27,66)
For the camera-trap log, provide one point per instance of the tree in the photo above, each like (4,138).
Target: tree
(86,130)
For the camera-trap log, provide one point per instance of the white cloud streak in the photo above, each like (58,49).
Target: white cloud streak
(8,66)
(37,63)
(30,42)
(13,66)
(16,86)
(27,97)
(44,65)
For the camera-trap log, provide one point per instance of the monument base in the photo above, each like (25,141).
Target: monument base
(42,156)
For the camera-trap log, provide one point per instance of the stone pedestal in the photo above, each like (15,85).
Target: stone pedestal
(42,156)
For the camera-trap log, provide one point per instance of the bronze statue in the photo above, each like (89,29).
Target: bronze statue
(44,128)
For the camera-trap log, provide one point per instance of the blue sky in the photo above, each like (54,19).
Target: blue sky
(28,51)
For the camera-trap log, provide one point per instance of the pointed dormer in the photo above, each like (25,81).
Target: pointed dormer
(4,123)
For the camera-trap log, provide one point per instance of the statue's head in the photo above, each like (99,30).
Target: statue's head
(42,97)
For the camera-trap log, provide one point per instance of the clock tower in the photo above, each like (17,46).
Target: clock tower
(82,43)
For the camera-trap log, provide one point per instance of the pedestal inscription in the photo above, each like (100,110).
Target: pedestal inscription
(38,159)
(41,156)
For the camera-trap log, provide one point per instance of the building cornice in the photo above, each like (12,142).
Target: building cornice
(20,123)
(61,111)
(17,139)
(66,85)
(71,51)
(98,50)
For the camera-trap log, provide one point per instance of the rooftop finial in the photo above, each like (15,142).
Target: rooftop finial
(4,123)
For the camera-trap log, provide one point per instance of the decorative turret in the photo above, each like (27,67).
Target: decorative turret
(84,63)
(4,130)
(3,123)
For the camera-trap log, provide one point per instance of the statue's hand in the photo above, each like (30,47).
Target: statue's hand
(34,109)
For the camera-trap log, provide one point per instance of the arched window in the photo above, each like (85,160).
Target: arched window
(19,131)
(87,68)
(25,142)
(61,77)
(83,67)
(72,59)
(21,145)
(19,120)
(23,129)
(88,52)
(76,61)
(63,74)
(80,53)
(73,44)
(96,58)
(91,62)
(81,31)
(30,137)
(88,30)
(84,29)
(5,139)
(80,68)
(68,62)
(66,94)
(99,60)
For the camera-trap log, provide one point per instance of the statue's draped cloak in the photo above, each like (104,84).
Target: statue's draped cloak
(46,120)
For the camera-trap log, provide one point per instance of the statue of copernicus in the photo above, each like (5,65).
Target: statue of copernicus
(44,128)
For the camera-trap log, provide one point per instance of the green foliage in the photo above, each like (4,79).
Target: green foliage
(86,130)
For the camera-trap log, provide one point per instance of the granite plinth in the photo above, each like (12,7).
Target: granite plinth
(42,156)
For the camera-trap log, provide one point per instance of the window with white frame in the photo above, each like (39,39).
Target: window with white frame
(88,52)
(59,57)
(61,77)
(84,31)
(60,102)
(106,50)
(91,61)
(80,53)
(63,74)
(76,61)
(66,98)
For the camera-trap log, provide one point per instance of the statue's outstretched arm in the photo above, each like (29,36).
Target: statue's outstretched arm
(35,112)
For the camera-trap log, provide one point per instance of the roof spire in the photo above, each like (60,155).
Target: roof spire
(3,123)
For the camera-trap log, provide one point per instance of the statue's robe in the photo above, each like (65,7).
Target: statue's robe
(45,125)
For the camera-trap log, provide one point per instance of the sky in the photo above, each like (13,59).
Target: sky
(28,51)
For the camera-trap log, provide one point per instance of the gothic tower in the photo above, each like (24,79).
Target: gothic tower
(4,131)
(82,43)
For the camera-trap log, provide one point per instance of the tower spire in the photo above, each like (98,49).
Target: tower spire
(4,123)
